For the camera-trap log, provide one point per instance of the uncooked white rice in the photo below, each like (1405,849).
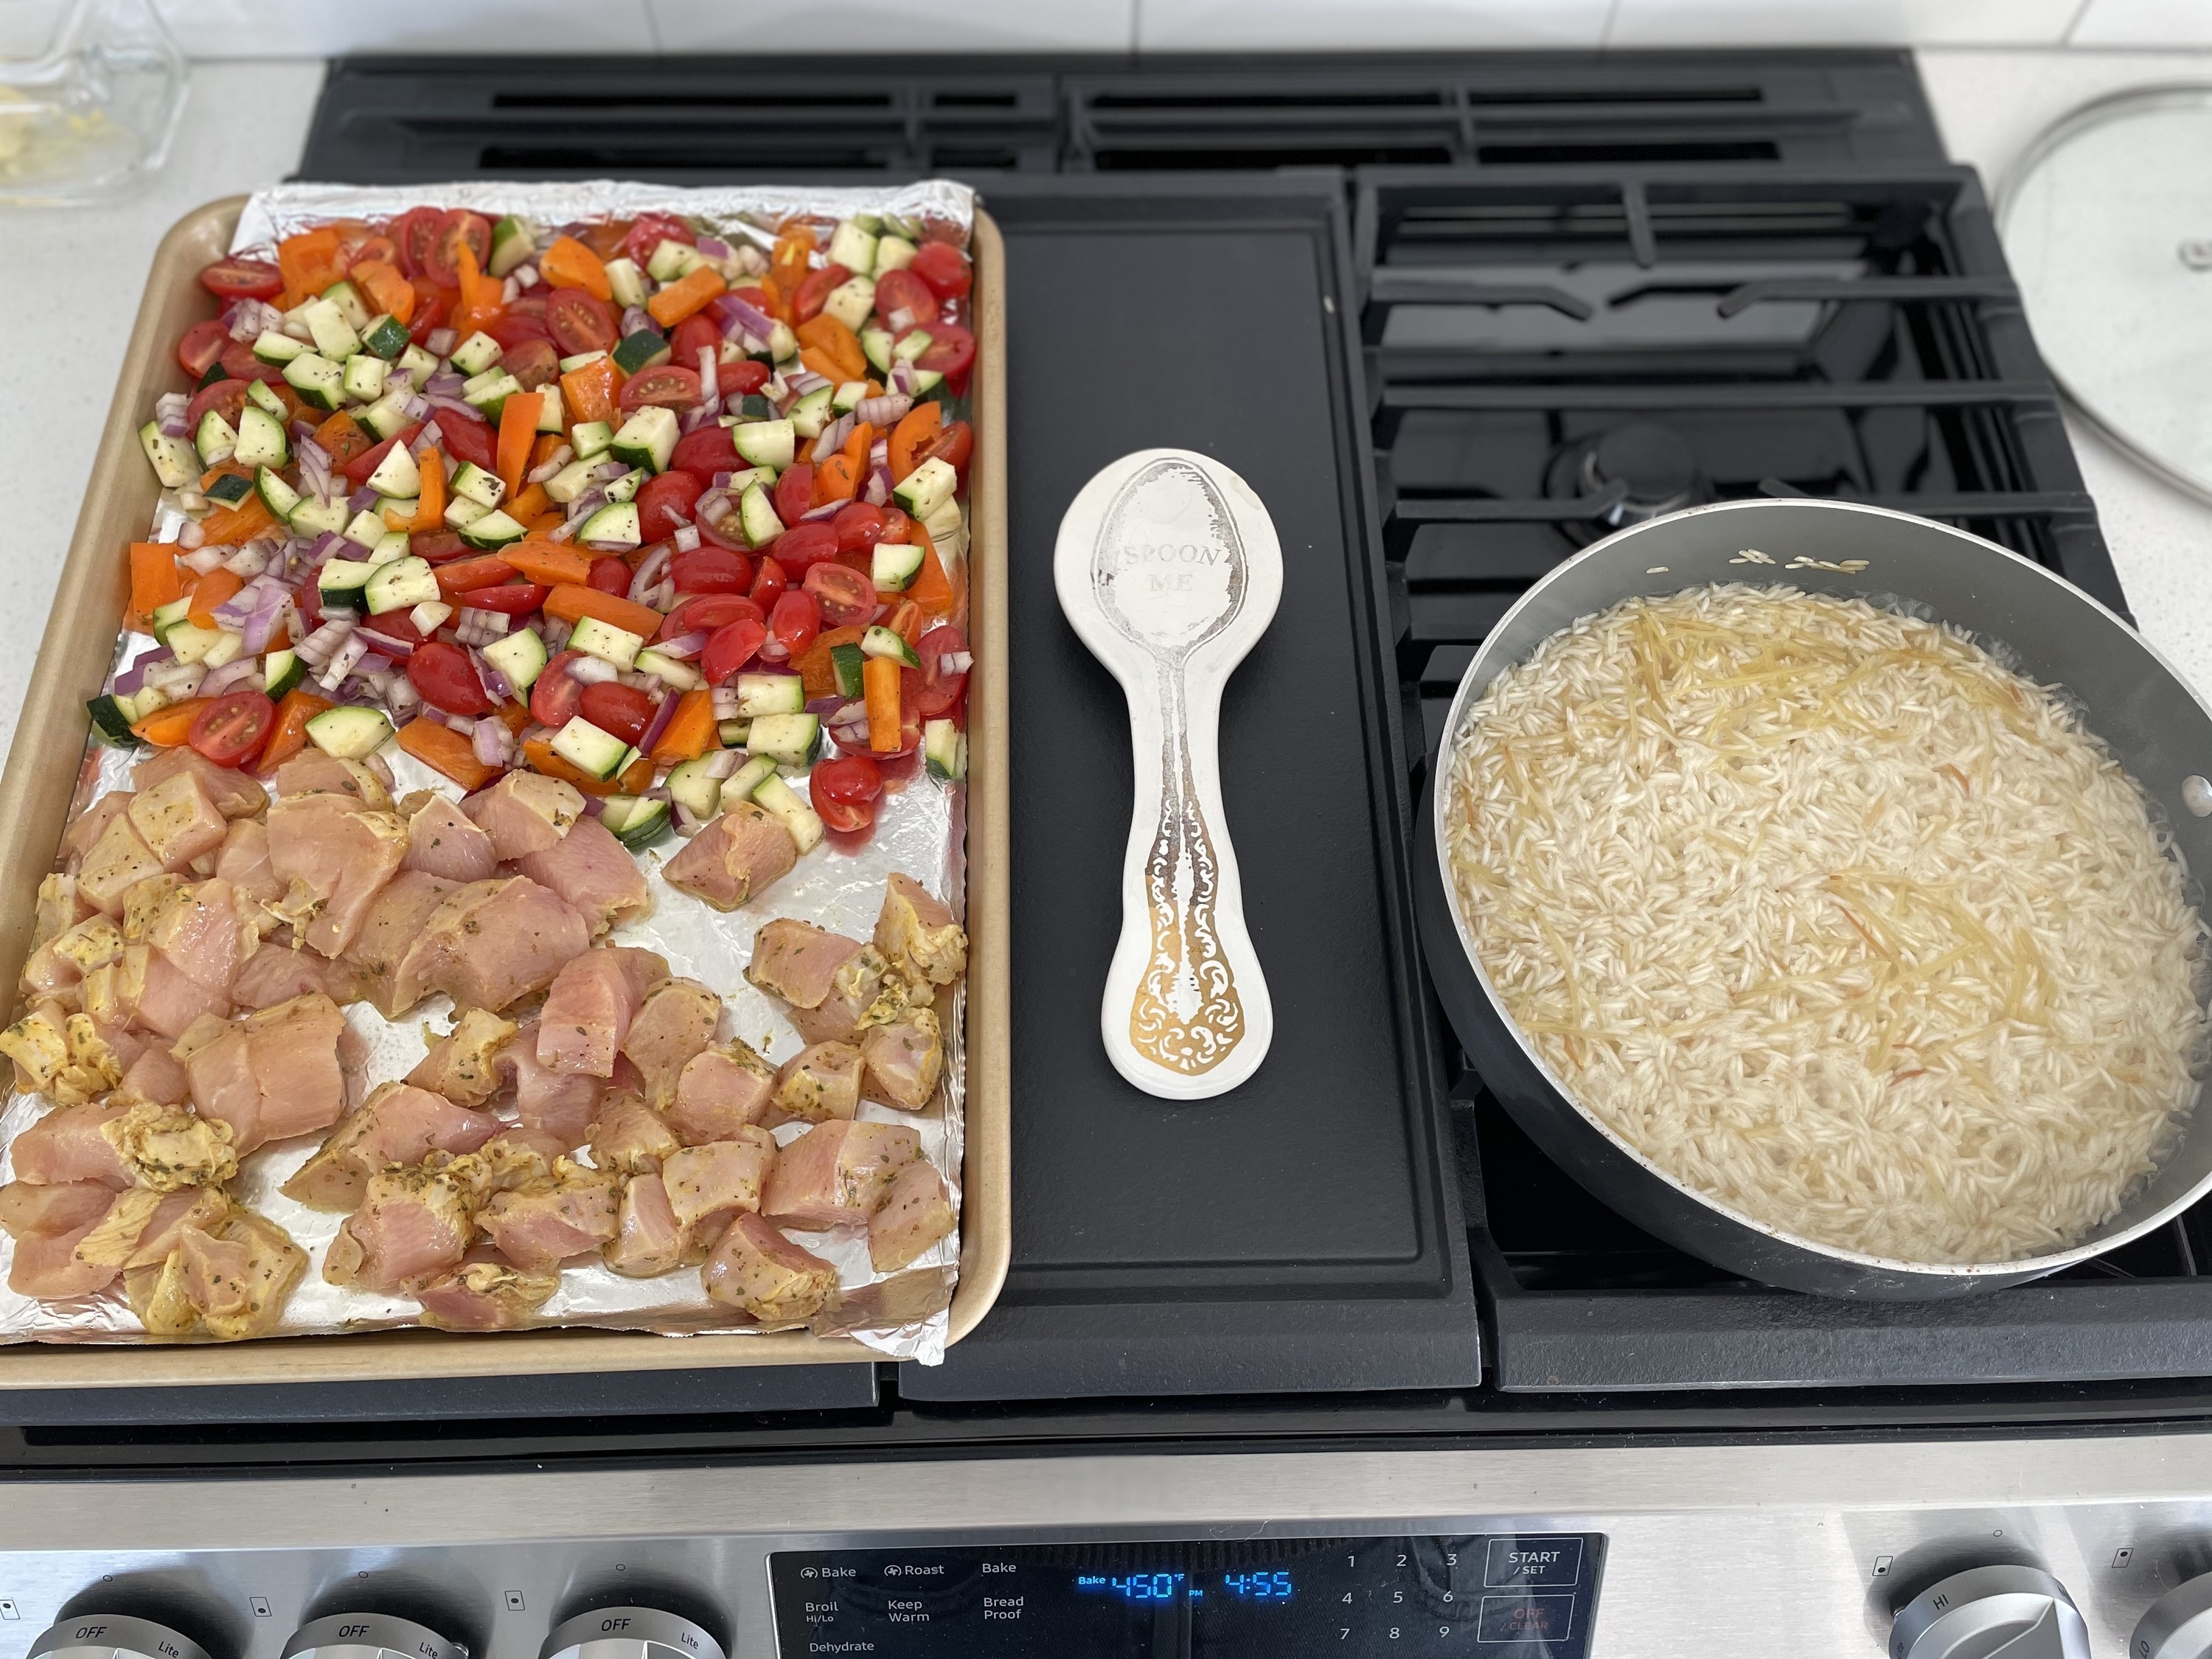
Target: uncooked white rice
(1833,918)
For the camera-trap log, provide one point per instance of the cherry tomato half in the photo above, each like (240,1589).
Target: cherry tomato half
(533,362)
(794,492)
(768,584)
(201,348)
(708,613)
(446,679)
(901,290)
(610,575)
(951,350)
(242,279)
(441,262)
(706,452)
(944,268)
(649,230)
(845,595)
(514,324)
(467,440)
(515,599)
(710,571)
(226,397)
(859,526)
(954,445)
(555,694)
(733,646)
(844,791)
(623,710)
(940,689)
(675,491)
(467,575)
(231,730)
(795,621)
(740,379)
(693,335)
(431,305)
(579,322)
(720,523)
(816,290)
(665,387)
(413,232)
(240,363)
(804,545)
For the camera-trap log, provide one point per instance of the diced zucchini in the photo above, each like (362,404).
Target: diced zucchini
(475,354)
(386,337)
(490,397)
(278,348)
(756,516)
(472,481)
(189,643)
(741,481)
(334,335)
(876,347)
(364,377)
(316,379)
(280,670)
(430,618)
(627,280)
(230,490)
(732,732)
(397,475)
(419,360)
(111,722)
(392,545)
(695,789)
(513,241)
(493,529)
(896,567)
(216,439)
(647,349)
(261,439)
(591,439)
(770,694)
(893,253)
(744,783)
(669,671)
(780,798)
(879,641)
(782,343)
(605,641)
(313,518)
(928,384)
(846,660)
(258,393)
(811,413)
(636,821)
(844,399)
(787,740)
(366,529)
(614,524)
(551,416)
(648,438)
(672,260)
(520,656)
(343,584)
(572,480)
(166,617)
(586,747)
(764,443)
(401,586)
(175,462)
(626,487)
(851,301)
(279,497)
(229,646)
(852,247)
(461,512)
(945,749)
(911,345)
(945,524)
(349,733)
(570,364)
(386,418)
(752,407)
(347,298)
(925,489)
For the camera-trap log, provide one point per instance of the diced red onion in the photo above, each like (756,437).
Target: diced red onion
(722,763)
(343,663)
(248,559)
(740,316)
(559,459)
(191,500)
(955,662)
(650,567)
(191,533)
(463,723)
(884,411)
(320,550)
(853,713)
(454,405)
(637,318)
(693,418)
(177,680)
(441,341)
(315,467)
(725,701)
(403,697)
(710,380)
(384,642)
(416,406)
(169,413)
(592,671)
(823,707)
(444,382)
(878,490)
(201,560)
(686,539)
(682,647)
(239,610)
(321,646)
(900,320)
(827,510)
(714,248)
(556,632)
(496,684)
(661,596)
(511,292)
(879,452)
(128,682)
(362,500)
(491,742)
(594,805)
(688,823)
(658,724)
(475,627)
(833,437)
(607,546)
(430,436)
(903,378)
(773,649)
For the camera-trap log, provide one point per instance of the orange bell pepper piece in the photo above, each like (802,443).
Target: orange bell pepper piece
(538,753)
(691,730)
(531,504)
(549,563)
(816,672)
(212,589)
(165,728)
(569,264)
(589,393)
(837,342)
(482,297)
(686,297)
(441,748)
(341,438)
(572,602)
(916,430)
(156,579)
(518,430)
(387,288)
(288,736)
(230,526)
(931,589)
(431,504)
(834,481)
(309,261)
(879,686)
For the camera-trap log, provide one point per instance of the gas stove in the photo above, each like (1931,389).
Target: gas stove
(1342,1363)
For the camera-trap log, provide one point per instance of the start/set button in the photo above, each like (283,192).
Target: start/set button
(1540,1562)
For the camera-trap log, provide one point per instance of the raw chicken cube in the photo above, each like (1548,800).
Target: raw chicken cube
(144,991)
(443,840)
(593,873)
(820,1082)
(836,1172)
(142,1226)
(277,973)
(755,1268)
(709,1185)
(67,1145)
(629,1136)
(311,772)
(157,1076)
(491,944)
(588,1011)
(167,1148)
(798,961)
(719,1092)
(543,1224)
(411,1229)
(486,1292)
(45,1265)
(333,856)
(59,964)
(243,861)
(85,832)
(864,991)
(919,937)
(735,858)
(905,1058)
(32,1209)
(202,930)
(525,813)
(560,1104)
(675,1024)
(393,930)
(177,820)
(118,861)
(399,1123)
(647,1240)
(234,794)
(275,1074)
(231,1281)
(463,1065)
(916,1211)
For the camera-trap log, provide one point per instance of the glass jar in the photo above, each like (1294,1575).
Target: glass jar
(90,91)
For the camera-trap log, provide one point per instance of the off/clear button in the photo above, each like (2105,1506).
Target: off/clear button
(1526,1618)
(1534,1563)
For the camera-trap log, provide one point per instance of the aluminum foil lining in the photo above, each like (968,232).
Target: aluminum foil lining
(921,830)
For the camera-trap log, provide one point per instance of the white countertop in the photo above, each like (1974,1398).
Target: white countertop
(244,122)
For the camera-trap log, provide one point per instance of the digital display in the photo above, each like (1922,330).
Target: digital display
(1488,1596)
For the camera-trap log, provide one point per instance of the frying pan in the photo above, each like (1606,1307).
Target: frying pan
(2158,729)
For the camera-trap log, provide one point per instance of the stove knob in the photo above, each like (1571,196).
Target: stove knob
(2178,1624)
(1991,1612)
(369,1635)
(114,1636)
(629,1633)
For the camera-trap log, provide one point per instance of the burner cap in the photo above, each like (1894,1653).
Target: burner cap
(1652,461)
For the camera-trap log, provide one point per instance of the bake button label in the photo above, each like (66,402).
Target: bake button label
(1535,1562)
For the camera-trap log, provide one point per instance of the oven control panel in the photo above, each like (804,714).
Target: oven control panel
(1422,1597)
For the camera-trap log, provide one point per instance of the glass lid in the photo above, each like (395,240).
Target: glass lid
(2107,223)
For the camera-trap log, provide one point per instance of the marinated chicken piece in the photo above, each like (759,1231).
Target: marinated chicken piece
(334,856)
(443,840)
(916,1211)
(278,972)
(798,961)
(230,1282)
(202,929)
(905,1058)
(59,964)
(865,991)
(311,772)
(755,1268)
(709,1185)
(234,794)
(39,1047)
(648,1240)
(177,820)
(543,1224)
(85,831)
(119,861)
(399,1123)
(65,1056)
(66,1145)
(588,1011)
(145,991)
(675,1023)
(393,927)
(411,1229)
(59,908)
(463,1065)
(629,1136)
(550,1102)
(836,1174)
(45,1265)
(531,1149)
(158,1076)
(491,944)
(820,1082)
(719,1092)
(142,1227)
(244,863)
(275,1074)
(919,937)
(525,813)
(167,1148)
(486,1292)
(735,859)
(29,1208)
(593,873)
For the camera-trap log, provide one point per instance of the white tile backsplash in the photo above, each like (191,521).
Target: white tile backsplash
(1840,23)
(2144,23)
(317,28)
(1367,25)
(879,26)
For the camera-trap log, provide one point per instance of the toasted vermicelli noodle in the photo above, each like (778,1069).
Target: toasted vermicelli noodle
(1833,918)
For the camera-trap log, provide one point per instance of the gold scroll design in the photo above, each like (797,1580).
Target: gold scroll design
(1186,1017)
